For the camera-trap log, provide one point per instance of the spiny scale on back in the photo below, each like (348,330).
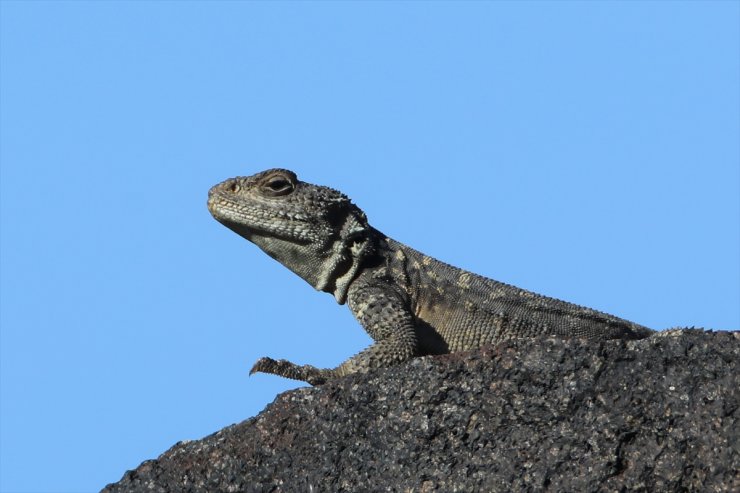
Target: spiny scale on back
(409,303)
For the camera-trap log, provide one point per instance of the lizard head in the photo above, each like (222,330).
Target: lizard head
(315,231)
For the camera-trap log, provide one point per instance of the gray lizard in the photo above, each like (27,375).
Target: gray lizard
(410,304)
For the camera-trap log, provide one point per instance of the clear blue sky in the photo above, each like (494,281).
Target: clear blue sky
(587,151)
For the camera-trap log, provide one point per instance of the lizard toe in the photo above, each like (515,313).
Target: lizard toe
(263,365)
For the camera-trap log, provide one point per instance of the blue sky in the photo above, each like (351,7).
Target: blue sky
(587,151)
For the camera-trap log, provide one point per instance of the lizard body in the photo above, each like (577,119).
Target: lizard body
(409,303)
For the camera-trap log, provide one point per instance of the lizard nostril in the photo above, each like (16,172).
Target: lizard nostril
(233,187)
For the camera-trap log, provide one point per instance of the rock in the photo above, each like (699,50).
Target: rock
(658,414)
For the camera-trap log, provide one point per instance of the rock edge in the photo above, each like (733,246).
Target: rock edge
(658,414)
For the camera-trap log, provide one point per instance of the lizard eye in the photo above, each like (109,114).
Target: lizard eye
(278,185)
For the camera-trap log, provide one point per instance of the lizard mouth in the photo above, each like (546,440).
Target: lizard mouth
(255,221)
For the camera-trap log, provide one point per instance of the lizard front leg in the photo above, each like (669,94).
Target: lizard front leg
(385,315)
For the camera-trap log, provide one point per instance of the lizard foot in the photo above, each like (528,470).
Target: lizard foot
(284,368)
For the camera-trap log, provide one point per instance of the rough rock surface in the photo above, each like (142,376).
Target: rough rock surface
(659,414)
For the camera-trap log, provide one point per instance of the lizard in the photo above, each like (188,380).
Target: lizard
(409,303)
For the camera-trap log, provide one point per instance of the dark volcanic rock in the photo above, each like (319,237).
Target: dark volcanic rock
(660,414)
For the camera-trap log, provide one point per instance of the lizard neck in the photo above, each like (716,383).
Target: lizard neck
(356,242)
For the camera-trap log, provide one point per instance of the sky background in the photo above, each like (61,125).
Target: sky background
(587,151)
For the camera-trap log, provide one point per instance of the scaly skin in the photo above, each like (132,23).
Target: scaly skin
(410,304)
